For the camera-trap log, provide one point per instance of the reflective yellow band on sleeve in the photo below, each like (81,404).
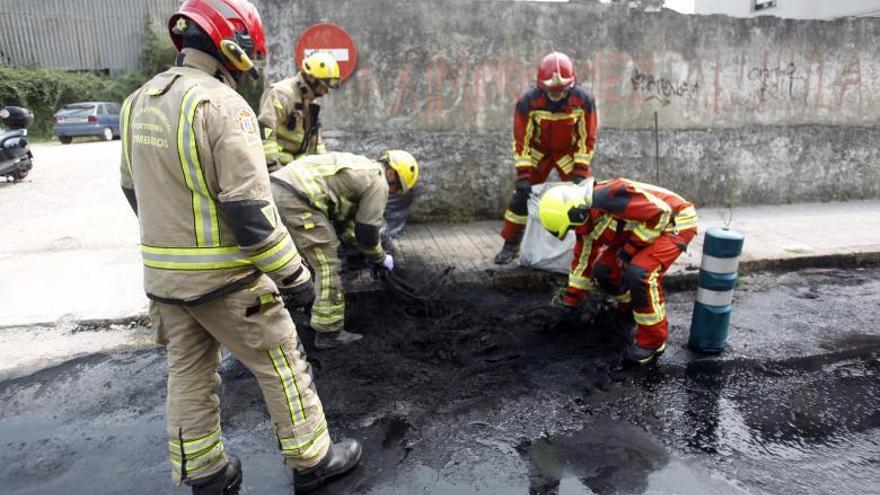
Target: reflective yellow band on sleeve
(566,164)
(685,219)
(295,137)
(515,219)
(524,163)
(536,155)
(624,298)
(583,159)
(276,256)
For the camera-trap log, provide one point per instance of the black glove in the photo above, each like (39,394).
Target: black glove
(578,179)
(523,186)
(300,296)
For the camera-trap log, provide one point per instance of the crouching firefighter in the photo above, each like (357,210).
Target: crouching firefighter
(323,198)
(289,111)
(628,235)
(218,263)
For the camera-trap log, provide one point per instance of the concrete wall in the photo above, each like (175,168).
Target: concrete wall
(759,110)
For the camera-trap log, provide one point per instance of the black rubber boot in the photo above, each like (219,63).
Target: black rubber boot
(332,340)
(224,482)
(341,458)
(641,356)
(508,252)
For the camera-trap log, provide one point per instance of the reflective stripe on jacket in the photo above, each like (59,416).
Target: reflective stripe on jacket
(565,130)
(346,188)
(193,156)
(286,119)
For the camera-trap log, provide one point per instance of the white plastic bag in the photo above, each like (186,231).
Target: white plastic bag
(539,249)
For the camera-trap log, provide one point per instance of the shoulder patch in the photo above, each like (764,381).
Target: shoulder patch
(246,121)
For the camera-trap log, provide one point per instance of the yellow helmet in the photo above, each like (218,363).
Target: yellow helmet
(565,206)
(323,67)
(405,165)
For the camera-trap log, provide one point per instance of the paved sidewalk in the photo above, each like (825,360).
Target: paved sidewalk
(69,242)
(776,237)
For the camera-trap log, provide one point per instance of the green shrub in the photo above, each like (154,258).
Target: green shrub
(45,91)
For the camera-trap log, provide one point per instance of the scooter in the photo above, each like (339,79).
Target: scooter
(16,159)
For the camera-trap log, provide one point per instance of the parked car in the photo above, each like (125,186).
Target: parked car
(94,118)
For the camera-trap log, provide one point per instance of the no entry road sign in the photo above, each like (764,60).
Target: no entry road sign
(328,38)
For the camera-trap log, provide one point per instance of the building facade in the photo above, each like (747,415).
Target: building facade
(94,35)
(795,9)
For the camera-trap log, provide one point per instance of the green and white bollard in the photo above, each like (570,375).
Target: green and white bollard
(718,272)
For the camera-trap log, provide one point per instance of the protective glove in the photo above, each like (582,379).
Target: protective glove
(523,186)
(384,266)
(300,296)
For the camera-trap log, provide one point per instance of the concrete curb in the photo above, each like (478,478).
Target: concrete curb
(521,278)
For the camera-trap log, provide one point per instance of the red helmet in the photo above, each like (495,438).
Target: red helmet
(233,25)
(556,73)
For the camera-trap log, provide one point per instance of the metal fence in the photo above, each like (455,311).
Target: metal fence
(77,34)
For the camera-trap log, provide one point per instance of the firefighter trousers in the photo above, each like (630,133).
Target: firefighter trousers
(318,244)
(640,285)
(253,324)
(517,212)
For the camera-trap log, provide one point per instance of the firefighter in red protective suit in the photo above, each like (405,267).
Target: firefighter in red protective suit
(628,235)
(554,126)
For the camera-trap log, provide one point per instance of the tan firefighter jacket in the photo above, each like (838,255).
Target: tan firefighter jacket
(194,171)
(289,122)
(350,190)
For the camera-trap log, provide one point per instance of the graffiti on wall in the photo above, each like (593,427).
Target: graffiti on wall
(439,93)
(662,89)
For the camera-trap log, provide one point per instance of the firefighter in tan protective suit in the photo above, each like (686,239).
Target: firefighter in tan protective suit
(218,265)
(322,198)
(289,111)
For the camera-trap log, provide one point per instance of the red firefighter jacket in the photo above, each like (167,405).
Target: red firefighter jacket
(563,131)
(626,216)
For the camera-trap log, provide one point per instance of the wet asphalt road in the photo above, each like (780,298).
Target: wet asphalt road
(482,400)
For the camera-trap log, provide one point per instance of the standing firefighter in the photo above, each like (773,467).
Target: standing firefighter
(215,255)
(322,198)
(629,234)
(554,126)
(289,111)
